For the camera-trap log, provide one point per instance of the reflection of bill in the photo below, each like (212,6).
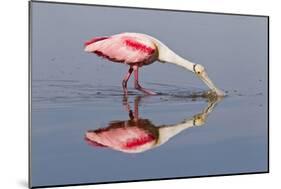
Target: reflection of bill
(138,135)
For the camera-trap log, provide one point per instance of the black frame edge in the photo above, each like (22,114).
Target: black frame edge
(29,92)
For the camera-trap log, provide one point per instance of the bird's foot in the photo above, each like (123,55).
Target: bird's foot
(125,90)
(146,91)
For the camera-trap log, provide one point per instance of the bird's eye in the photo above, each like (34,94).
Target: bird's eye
(198,72)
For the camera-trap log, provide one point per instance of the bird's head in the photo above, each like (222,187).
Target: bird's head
(200,71)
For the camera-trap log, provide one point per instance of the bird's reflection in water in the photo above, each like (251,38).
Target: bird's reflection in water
(137,135)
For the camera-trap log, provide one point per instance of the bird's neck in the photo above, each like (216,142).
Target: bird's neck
(169,131)
(167,55)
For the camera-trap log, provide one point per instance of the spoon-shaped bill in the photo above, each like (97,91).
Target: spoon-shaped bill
(205,78)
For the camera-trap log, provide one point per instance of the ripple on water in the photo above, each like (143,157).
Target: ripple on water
(62,92)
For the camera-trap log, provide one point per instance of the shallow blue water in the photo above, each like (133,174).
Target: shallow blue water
(233,139)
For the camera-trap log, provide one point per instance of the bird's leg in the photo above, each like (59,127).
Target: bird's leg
(126,103)
(136,107)
(127,107)
(137,85)
(125,80)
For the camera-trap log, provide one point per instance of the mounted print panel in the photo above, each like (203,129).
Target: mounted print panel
(122,94)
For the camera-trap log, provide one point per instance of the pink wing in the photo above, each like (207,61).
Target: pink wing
(123,48)
(125,139)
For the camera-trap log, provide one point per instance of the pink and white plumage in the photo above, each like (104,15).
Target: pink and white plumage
(131,136)
(124,48)
(137,50)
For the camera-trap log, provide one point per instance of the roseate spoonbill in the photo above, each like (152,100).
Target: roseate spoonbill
(137,50)
(138,135)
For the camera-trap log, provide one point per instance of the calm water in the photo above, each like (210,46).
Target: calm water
(75,94)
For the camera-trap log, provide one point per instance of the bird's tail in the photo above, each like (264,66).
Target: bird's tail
(94,40)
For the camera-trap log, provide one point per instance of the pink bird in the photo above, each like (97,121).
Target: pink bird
(137,50)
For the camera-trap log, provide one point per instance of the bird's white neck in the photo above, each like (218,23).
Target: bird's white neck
(167,55)
(169,131)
